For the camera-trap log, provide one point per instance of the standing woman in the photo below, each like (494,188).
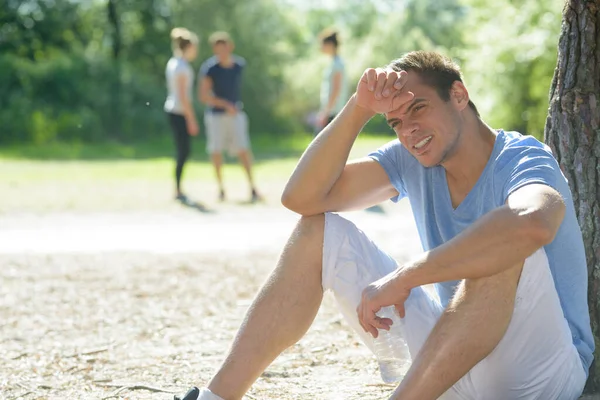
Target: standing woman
(179,108)
(334,88)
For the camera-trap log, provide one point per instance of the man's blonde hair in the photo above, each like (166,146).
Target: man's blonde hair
(219,37)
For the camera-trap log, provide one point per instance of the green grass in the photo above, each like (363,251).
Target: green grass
(264,146)
(115,177)
(275,158)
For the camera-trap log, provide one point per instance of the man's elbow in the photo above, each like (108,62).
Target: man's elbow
(291,202)
(298,205)
(542,225)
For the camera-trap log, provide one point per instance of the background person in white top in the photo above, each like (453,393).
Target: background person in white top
(334,88)
(178,106)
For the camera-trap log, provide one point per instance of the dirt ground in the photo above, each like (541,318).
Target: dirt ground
(141,305)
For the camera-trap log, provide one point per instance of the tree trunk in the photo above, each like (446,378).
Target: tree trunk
(117,46)
(573,133)
(115,21)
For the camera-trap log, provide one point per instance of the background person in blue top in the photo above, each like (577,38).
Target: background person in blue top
(226,123)
(334,87)
(178,106)
(501,243)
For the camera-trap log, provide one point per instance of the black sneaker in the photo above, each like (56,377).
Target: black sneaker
(255,197)
(182,198)
(222,195)
(186,201)
(192,394)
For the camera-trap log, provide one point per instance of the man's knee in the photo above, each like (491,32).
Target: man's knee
(497,290)
(304,249)
(311,228)
(243,155)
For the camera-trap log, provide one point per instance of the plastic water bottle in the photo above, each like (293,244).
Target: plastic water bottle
(391,349)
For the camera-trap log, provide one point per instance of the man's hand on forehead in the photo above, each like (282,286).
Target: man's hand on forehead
(382,90)
(383,81)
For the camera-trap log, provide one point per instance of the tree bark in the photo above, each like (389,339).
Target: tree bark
(117,46)
(115,21)
(573,132)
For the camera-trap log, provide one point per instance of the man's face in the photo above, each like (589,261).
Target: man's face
(428,127)
(222,49)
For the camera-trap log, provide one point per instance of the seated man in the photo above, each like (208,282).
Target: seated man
(501,239)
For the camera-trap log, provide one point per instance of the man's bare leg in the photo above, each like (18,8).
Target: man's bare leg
(483,306)
(217,161)
(281,313)
(245,157)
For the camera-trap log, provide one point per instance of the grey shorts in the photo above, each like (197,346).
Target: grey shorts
(226,132)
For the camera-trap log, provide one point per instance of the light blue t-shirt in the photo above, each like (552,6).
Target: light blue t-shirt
(516,161)
(337,65)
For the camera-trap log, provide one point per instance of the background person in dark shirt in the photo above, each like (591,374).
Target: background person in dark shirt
(226,124)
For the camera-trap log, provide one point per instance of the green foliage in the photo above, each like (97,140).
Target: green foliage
(509,62)
(69,98)
(94,71)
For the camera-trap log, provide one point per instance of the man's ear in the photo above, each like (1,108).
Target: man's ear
(459,95)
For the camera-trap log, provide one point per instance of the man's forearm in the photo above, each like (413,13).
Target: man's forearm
(495,242)
(214,101)
(489,257)
(484,306)
(324,159)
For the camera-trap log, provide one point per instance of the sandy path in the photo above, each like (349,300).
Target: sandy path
(184,231)
(90,303)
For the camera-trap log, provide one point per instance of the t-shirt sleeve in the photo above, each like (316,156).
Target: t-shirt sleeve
(180,68)
(205,70)
(338,65)
(390,158)
(529,166)
(240,61)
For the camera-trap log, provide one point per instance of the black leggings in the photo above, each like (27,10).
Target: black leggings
(182,144)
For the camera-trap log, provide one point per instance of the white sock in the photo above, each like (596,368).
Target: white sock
(206,394)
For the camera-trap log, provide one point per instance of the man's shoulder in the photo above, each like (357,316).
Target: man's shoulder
(524,158)
(516,147)
(239,60)
(393,155)
(209,65)
(393,148)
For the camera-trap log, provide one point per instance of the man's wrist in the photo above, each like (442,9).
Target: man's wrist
(364,113)
(410,274)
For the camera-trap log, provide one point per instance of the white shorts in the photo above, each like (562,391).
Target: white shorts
(226,132)
(536,358)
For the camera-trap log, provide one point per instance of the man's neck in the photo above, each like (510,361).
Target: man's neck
(472,153)
(226,61)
